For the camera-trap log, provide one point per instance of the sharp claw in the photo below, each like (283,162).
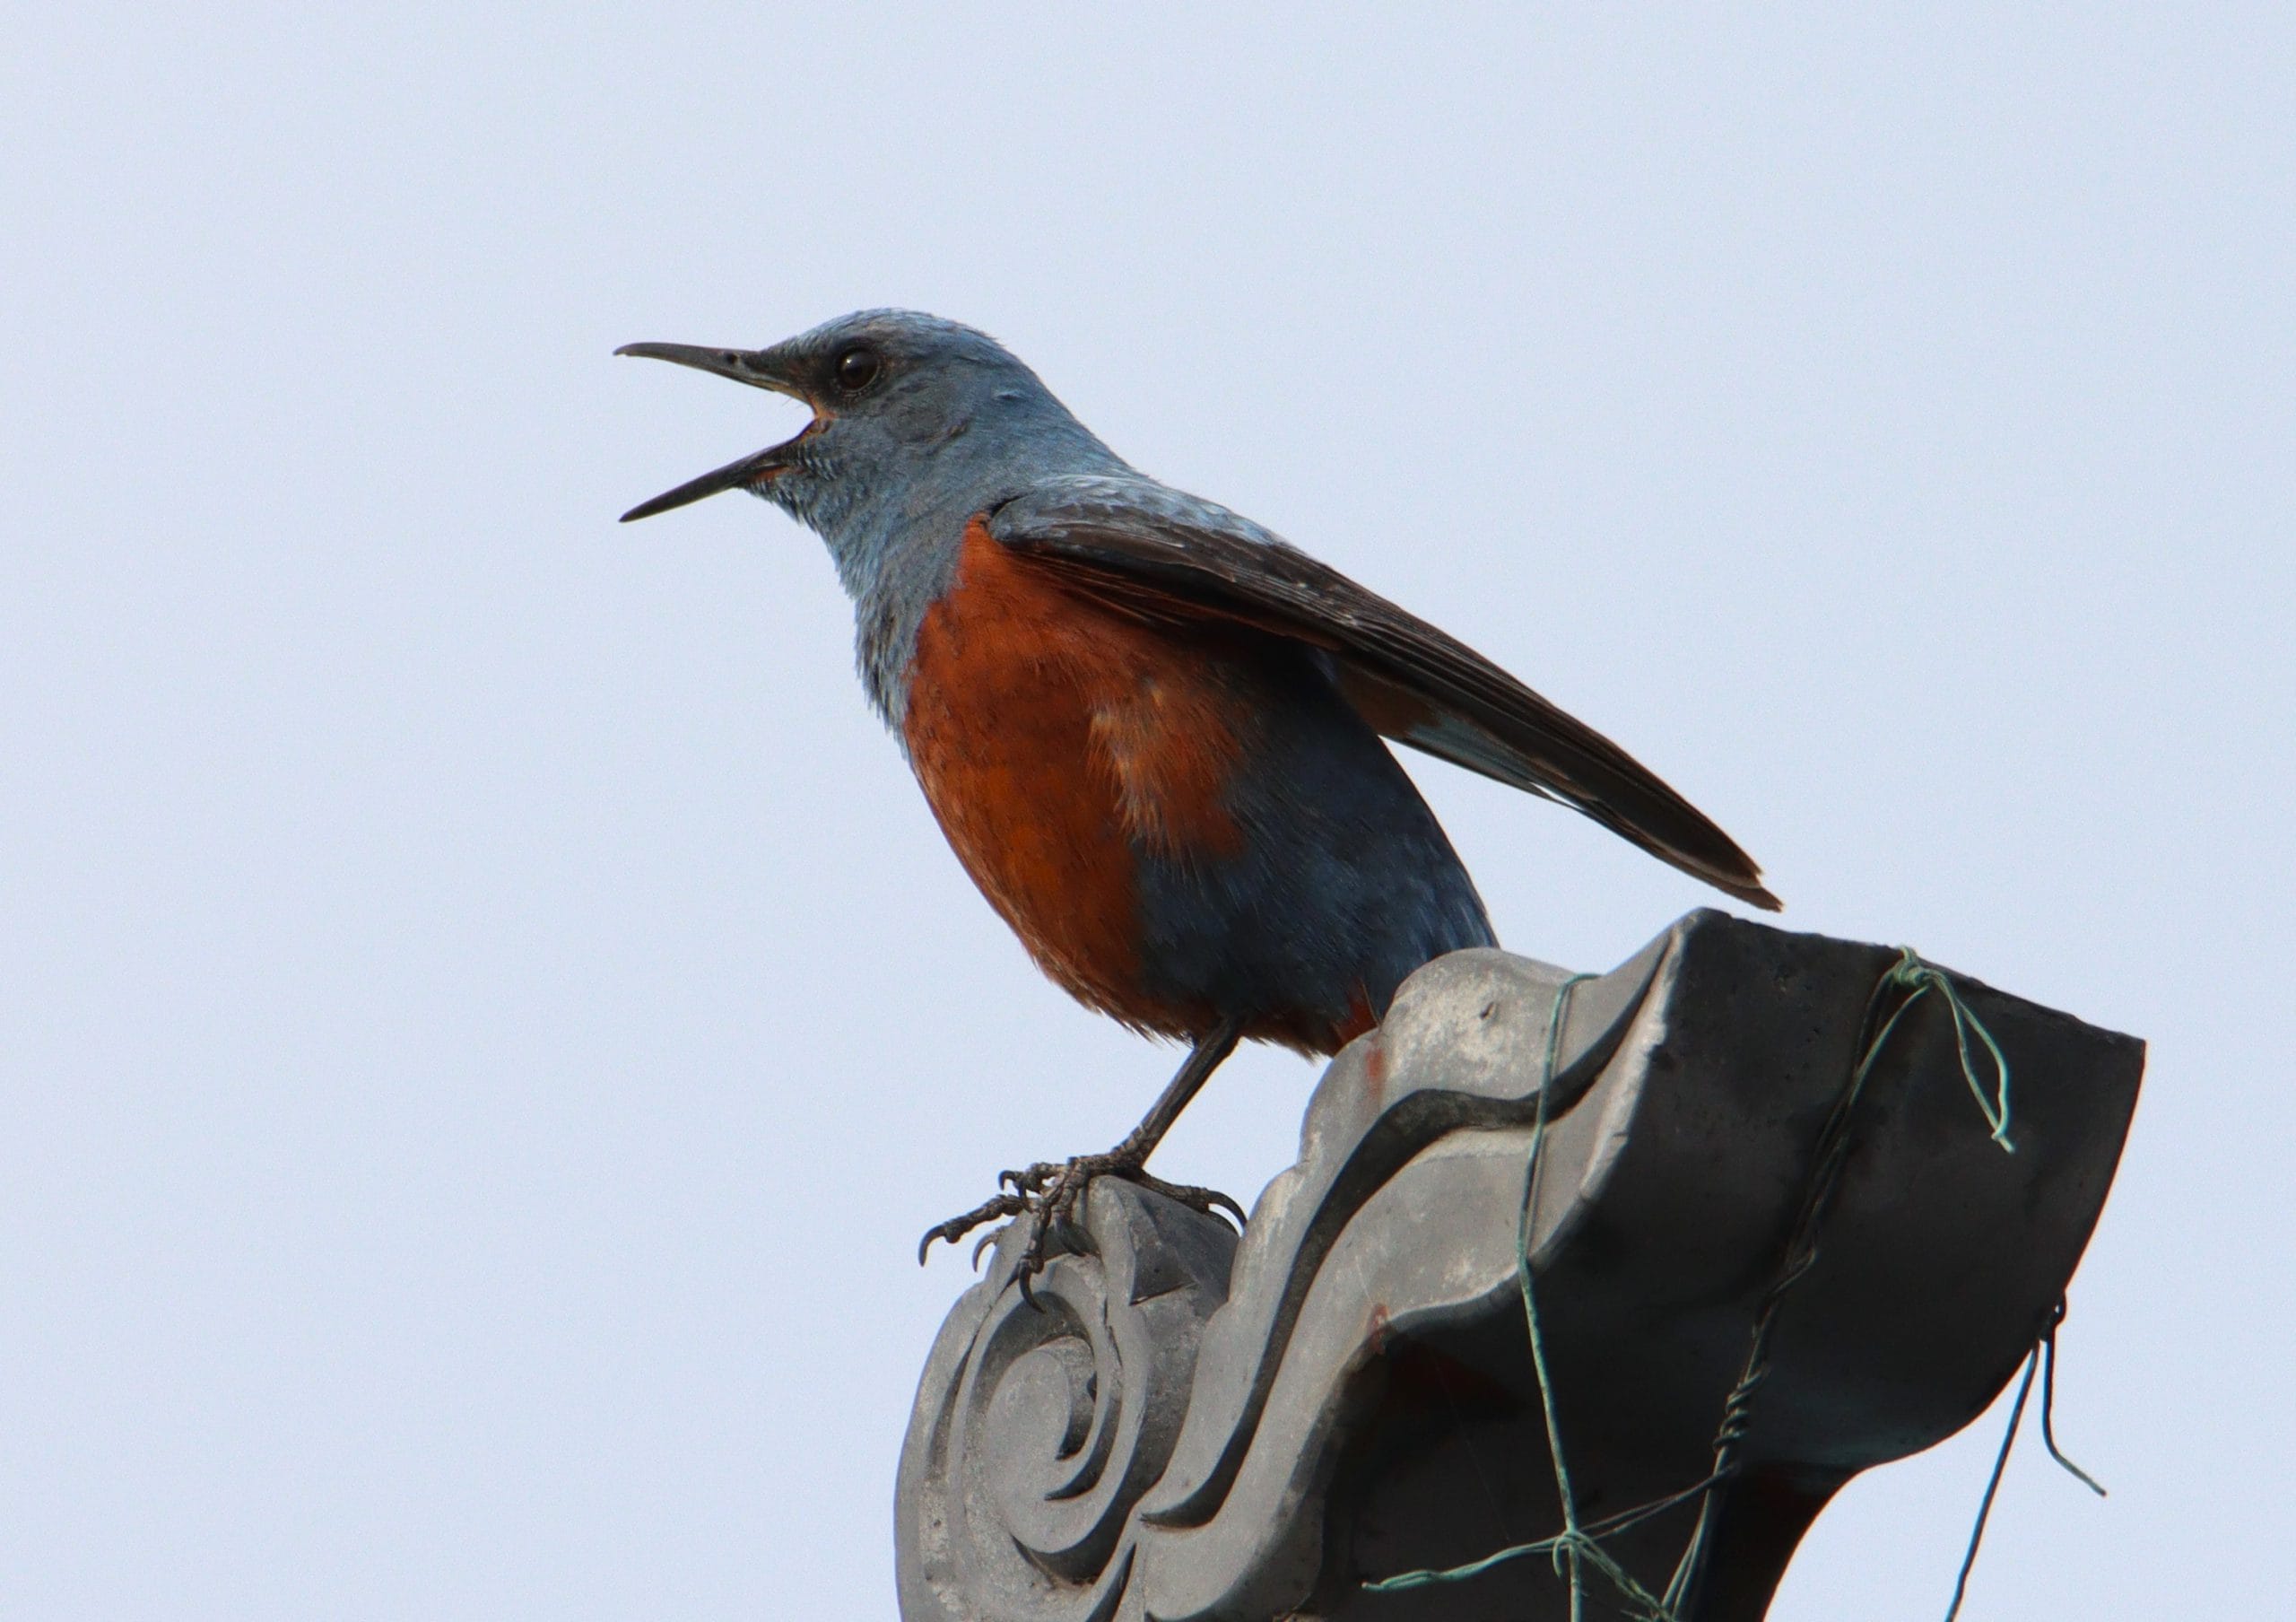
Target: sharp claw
(957,1227)
(1048,1196)
(949,1230)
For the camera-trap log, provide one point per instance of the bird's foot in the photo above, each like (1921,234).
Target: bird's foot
(996,1208)
(1046,1196)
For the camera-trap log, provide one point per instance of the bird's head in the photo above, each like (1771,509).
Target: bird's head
(901,402)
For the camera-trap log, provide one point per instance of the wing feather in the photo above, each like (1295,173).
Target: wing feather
(1143,550)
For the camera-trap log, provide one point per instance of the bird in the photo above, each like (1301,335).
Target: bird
(1154,733)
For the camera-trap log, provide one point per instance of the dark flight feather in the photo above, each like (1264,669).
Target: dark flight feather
(1411,681)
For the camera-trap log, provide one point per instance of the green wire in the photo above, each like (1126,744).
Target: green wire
(1577,1545)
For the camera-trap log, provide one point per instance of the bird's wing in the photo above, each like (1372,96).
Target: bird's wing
(1147,550)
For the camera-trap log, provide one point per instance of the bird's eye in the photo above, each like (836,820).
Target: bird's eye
(858,368)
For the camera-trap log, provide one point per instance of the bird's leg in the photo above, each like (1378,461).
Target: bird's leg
(1047,1192)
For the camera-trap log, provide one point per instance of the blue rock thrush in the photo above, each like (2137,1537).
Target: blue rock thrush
(1149,728)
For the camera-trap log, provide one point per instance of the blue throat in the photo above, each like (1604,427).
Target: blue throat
(895,541)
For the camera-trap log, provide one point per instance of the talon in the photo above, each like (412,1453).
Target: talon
(988,1210)
(1046,1196)
(1196,1199)
(1030,1180)
(1031,1264)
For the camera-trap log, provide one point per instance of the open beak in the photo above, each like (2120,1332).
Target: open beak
(758,369)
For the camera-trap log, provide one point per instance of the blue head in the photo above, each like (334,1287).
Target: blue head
(912,415)
(918,424)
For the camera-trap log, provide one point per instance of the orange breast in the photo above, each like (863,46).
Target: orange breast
(1053,738)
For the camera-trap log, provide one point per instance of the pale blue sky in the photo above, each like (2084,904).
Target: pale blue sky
(485,1014)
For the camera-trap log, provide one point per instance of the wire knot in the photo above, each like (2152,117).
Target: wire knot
(1916,976)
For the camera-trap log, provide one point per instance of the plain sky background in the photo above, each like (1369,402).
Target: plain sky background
(485,1013)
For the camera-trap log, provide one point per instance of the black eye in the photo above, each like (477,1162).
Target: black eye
(858,368)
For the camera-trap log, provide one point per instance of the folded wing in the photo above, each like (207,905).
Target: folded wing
(1144,550)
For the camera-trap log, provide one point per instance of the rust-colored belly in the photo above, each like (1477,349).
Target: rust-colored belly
(1055,741)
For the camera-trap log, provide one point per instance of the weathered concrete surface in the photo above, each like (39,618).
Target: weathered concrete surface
(1199,1427)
